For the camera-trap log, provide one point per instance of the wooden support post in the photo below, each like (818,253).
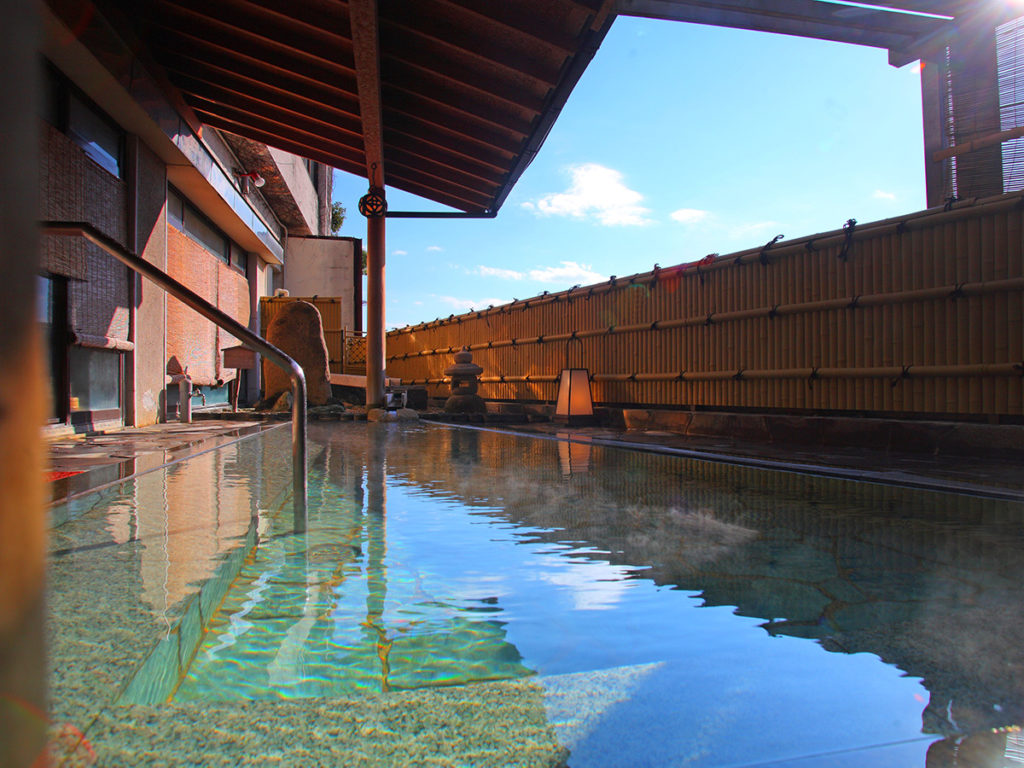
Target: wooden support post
(375,311)
(934,114)
(366,51)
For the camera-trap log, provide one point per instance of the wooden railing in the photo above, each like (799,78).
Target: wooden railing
(923,314)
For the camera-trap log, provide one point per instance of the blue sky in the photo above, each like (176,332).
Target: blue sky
(680,140)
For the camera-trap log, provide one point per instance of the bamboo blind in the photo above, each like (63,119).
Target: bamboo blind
(921,314)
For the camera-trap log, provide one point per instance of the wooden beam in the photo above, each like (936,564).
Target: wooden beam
(518,18)
(278,33)
(191,56)
(504,128)
(283,107)
(306,131)
(474,177)
(418,111)
(470,197)
(418,25)
(366,50)
(432,193)
(465,161)
(420,132)
(980,142)
(437,74)
(286,141)
(804,18)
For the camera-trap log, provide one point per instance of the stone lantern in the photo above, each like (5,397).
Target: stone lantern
(464,373)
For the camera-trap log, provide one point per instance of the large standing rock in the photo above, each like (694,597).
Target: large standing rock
(298,331)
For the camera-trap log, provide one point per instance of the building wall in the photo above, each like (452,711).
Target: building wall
(293,171)
(193,342)
(327,266)
(108,307)
(75,188)
(145,377)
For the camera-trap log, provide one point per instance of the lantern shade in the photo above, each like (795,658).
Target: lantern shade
(574,405)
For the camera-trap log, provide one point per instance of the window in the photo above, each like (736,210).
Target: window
(51,314)
(95,381)
(186,218)
(312,170)
(239,258)
(199,228)
(71,112)
(176,210)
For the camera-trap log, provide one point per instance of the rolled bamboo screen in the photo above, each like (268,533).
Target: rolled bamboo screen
(921,315)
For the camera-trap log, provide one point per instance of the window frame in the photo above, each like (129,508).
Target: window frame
(56,105)
(230,253)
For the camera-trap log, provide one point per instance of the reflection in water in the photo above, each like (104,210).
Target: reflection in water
(127,559)
(735,611)
(573,454)
(905,575)
(1002,748)
(337,610)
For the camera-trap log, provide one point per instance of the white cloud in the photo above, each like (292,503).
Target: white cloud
(569,272)
(592,586)
(501,274)
(399,253)
(689,215)
(465,305)
(435,248)
(883,195)
(597,193)
(753,228)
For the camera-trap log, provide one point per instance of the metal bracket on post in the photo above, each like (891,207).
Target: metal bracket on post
(229,324)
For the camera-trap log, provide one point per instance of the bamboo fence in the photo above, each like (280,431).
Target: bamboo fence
(921,314)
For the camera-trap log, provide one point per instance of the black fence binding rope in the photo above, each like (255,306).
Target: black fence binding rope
(767,247)
(848,229)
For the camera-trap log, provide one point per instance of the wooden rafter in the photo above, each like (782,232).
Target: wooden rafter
(452,97)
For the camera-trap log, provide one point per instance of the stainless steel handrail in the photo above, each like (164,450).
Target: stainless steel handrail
(229,324)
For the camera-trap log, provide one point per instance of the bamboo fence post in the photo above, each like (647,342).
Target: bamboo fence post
(1015,307)
(977,329)
(1000,308)
(964,321)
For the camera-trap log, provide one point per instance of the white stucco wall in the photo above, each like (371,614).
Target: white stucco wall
(325,266)
(294,173)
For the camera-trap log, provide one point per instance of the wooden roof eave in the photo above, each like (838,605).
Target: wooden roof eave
(803,18)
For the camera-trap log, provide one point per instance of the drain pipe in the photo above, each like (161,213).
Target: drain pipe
(229,324)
